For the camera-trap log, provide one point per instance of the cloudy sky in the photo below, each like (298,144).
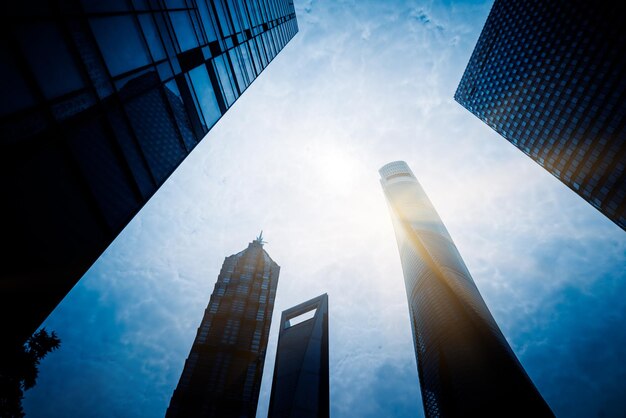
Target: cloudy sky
(362,84)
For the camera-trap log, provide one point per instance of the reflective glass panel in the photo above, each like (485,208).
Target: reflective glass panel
(234,58)
(207,21)
(120,42)
(49,58)
(180,114)
(223,73)
(223,18)
(184,30)
(247,62)
(201,85)
(233,15)
(152,36)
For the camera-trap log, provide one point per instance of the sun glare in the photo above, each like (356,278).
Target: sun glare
(335,166)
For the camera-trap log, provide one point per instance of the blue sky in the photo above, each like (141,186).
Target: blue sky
(362,84)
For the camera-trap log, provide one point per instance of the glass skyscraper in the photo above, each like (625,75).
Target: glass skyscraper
(465,365)
(300,387)
(550,77)
(222,375)
(101,101)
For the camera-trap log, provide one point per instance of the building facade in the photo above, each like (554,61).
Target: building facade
(300,387)
(222,375)
(102,100)
(550,77)
(465,365)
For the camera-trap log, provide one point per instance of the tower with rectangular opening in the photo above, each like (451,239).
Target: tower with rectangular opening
(300,388)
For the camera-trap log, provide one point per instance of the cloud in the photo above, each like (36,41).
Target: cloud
(425,19)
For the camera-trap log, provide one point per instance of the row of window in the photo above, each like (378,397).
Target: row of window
(575,114)
(231,333)
(54,50)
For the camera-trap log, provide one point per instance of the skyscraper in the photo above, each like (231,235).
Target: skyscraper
(222,375)
(300,387)
(465,365)
(101,101)
(550,77)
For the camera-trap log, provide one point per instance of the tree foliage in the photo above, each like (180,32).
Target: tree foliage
(19,368)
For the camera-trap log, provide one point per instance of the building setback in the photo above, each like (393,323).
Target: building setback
(222,375)
(300,387)
(465,365)
(550,77)
(101,101)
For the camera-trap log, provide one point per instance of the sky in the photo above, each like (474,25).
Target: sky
(363,83)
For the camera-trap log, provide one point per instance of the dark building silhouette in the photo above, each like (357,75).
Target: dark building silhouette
(222,375)
(101,101)
(550,77)
(300,387)
(466,367)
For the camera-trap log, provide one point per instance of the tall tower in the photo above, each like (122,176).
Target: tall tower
(101,102)
(465,365)
(300,387)
(550,77)
(222,375)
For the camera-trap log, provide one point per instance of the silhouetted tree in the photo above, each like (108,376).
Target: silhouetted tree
(19,367)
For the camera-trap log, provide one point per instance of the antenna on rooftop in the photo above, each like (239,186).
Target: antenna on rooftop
(259,239)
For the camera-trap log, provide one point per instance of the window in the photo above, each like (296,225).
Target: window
(103,171)
(152,36)
(238,306)
(184,30)
(256,340)
(244,14)
(203,332)
(255,55)
(190,365)
(233,15)
(261,49)
(50,59)
(131,152)
(254,13)
(156,130)
(180,113)
(223,18)
(234,58)
(247,61)
(247,387)
(231,331)
(207,21)
(260,315)
(223,71)
(206,102)
(120,42)
(243,289)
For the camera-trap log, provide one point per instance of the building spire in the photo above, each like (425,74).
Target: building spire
(259,239)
